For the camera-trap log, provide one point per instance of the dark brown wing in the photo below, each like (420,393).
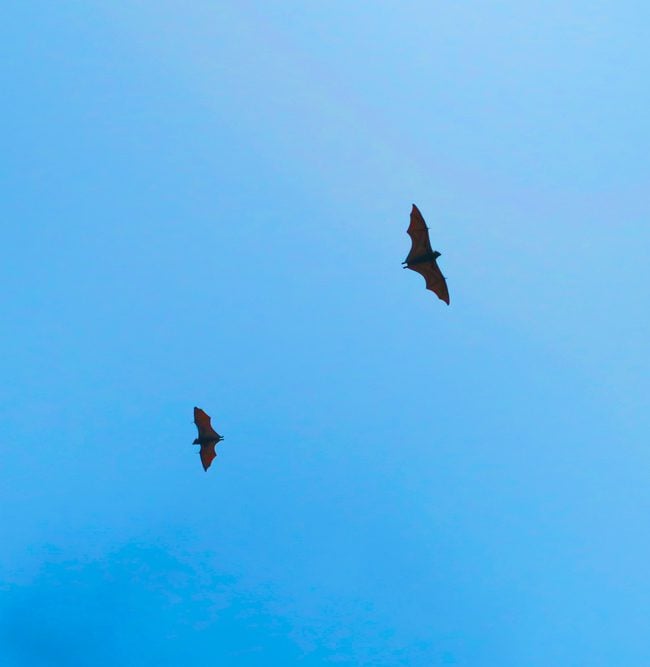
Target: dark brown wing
(419,233)
(433,276)
(208,454)
(202,422)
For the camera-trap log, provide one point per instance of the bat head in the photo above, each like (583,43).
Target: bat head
(436,254)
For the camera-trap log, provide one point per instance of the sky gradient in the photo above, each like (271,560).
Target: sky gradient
(207,206)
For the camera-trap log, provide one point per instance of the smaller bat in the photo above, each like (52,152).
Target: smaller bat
(208,438)
(422,258)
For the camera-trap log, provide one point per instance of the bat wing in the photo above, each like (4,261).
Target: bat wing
(208,454)
(202,422)
(419,233)
(434,279)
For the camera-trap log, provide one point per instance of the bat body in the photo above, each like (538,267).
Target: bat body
(422,258)
(208,438)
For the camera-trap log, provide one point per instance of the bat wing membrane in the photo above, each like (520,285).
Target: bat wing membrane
(419,233)
(204,425)
(208,454)
(434,279)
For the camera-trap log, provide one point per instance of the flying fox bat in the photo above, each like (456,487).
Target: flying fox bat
(208,438)
(422,258)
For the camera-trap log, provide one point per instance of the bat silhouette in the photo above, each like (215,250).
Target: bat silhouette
(208,438)
(422,258)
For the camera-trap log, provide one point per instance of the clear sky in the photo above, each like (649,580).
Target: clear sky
(205,203)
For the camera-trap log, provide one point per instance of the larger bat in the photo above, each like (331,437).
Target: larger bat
(422,257)
(208,438)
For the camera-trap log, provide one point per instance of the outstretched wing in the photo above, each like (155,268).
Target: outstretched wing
(204,426)
(434,279)
(419,233)
(208,454)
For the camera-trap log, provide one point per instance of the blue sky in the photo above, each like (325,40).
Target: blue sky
(207,206)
